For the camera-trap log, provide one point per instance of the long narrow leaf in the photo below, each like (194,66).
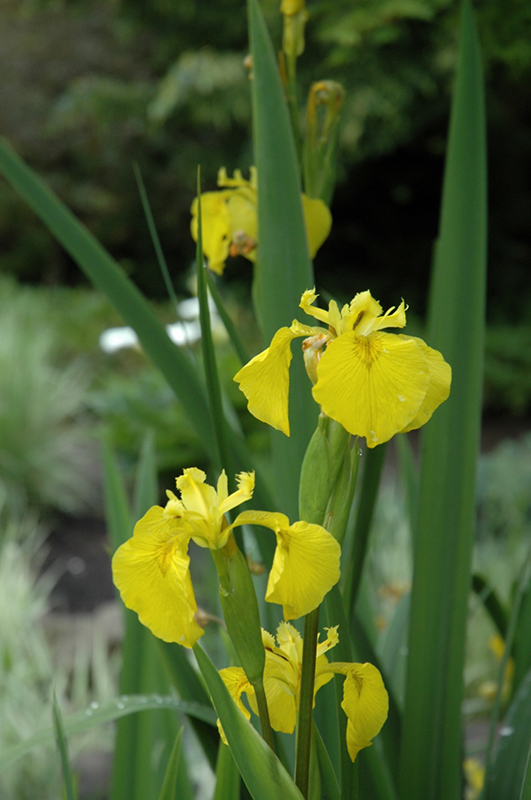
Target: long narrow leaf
(169,787)
(99,714)
(207,347)
(284,268)
(60,738)
(431,753)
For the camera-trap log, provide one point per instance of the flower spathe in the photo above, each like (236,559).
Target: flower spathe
(374,383)
(151,570)
(365,699)
(230,224)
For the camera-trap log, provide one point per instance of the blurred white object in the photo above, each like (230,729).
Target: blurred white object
(181,333)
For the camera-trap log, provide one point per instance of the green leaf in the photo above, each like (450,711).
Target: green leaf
(262,772)
(227,776)
(284,270)
(60,738)
(107,276)
(230,327)
(431,752)
(207,347)
(100,713)
(170,787)
(509,775)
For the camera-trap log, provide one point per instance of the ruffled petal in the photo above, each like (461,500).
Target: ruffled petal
(305,565)
(438,387)
(265,381)
(151,573)
(318,221)
(373,385)
(366,704)
(245,481)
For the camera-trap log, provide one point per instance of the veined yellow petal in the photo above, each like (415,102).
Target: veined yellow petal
(151,573)
(366,704)
(373,385)
(318,222)
(438,387)
(305,565)
(265,381)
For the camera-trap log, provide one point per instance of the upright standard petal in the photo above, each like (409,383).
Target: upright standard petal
(151,573)
(305,565)
(373,385)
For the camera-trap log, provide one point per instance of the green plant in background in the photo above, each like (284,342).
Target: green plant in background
(417,753)
(45,435)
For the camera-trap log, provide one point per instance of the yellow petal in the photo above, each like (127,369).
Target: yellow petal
(366,704)
(373,385)
(236,682)
(244,492)
(438,387)
(318,221)
(305,565)
(151,573)
(265,381)
(216,228)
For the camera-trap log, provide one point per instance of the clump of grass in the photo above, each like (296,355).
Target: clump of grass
(45,453)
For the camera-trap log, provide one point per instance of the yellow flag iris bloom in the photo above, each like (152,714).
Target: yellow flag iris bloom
(365,699)
(230,224)
(375,384)
(151,570)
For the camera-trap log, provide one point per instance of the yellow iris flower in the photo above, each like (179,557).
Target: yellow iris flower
(151,570)
(230,224)
(365,699)
(375,384)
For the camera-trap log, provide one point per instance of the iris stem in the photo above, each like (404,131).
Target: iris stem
(263,712)
(304,722)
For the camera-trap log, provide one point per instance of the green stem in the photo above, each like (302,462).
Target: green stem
(304,722)
(263,712)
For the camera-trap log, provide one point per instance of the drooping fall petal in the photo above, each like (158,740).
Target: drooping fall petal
(305,565)
(151,573)
(373,385)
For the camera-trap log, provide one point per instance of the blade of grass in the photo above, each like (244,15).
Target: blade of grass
(431,751)
(207,347)
(169,786)
(230,327)
(155,237)
(227,777)
(60,739)
(106,712)
(284,269)
(491,603)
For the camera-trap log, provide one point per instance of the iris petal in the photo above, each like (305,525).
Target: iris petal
(265,381)
(373,385)
(438,387)
(151,573)
(305,565)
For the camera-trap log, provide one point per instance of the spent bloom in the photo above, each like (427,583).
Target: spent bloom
(230,223)
(375,384)
(151,569)
(365,699)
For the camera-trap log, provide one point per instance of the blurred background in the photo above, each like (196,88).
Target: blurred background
(87,90)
